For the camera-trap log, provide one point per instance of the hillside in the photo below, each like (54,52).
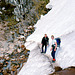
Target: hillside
(60,22)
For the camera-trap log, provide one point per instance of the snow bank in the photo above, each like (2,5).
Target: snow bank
(65,55)
(37,64)
(60,21)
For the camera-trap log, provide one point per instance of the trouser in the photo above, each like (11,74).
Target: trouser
(45,47)
(53,54)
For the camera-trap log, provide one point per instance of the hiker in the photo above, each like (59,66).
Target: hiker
(53,47)
(45,42)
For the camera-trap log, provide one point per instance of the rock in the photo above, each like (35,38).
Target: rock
(5,72)
(19,50)
(5,65)
(11,45)
(30,27)
(13,59)
(0,12)
(17,19)
(23,47)
(0,71)
(1,65)
(1,55)
(17,66)
(7,58)
(10,51)
(3,8)
(58,68)
(21,38)
(6,55)
(22,56)
(2,60)
(13,68)
(67,71)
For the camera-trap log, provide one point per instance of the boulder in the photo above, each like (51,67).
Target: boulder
(58,68)
(23,47)
(1,65)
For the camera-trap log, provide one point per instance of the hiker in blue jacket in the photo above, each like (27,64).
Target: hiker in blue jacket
(45,42)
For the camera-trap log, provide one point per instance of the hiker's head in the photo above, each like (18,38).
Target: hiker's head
(52,37)
(45,35)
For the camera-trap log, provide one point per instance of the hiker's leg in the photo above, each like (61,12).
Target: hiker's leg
(42,48)
(54,54)
(45,48)
(59,45)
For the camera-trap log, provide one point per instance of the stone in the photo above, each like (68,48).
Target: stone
(23,47)
(58,68)
(13,59)
(17,19)
(3,8)
(22,56)
(30,27)
(0,71)
(19,50)
(0,12)
(1,65)
(5,65)
(7,58)
(67,71)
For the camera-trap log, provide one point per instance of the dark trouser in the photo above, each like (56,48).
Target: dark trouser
(53,54)
(45,47)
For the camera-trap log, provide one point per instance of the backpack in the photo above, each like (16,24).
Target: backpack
(58,40)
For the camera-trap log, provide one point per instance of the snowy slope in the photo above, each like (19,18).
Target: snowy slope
(60,22)
(37,64)
(66,54)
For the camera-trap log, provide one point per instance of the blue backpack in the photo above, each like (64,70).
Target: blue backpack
(58,40)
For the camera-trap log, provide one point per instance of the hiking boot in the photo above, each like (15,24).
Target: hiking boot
(53,61)
(44,52)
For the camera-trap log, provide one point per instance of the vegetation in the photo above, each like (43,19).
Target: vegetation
(11,21)
(7,11)
(40,6)
(7,14)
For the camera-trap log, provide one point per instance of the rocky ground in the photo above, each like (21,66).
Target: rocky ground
(10,40)
(67,71)
(13,53)
(15,26)
(10,64)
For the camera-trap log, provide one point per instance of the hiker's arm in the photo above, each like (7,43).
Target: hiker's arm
(51,49)
(42,41)
(55,46)
(48,42)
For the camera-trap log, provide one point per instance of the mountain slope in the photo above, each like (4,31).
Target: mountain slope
(60,22)
(37,64)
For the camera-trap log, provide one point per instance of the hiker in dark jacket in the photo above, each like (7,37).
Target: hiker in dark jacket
(45,42)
